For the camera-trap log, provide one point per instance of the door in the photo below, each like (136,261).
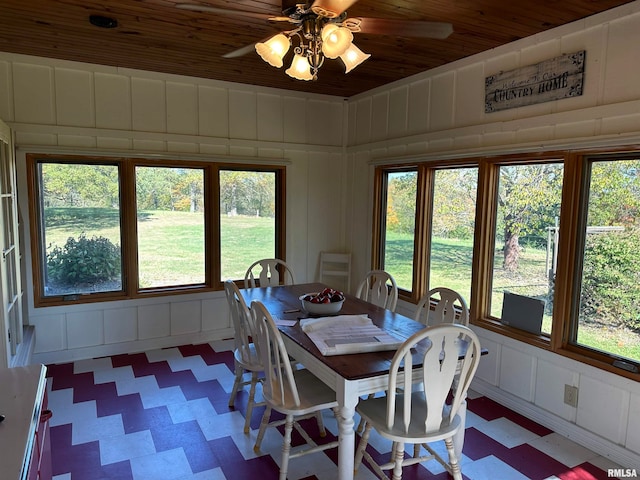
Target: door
(10,280)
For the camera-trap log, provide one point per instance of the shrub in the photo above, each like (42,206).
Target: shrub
(611,279)
(84,261)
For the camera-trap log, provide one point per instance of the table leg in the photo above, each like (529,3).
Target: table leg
(347,397)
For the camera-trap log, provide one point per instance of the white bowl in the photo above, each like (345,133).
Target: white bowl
(320,308)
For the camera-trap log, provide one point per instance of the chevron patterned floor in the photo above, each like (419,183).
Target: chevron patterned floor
(163,415)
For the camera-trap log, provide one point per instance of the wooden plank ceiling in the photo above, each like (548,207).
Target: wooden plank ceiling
(156,35)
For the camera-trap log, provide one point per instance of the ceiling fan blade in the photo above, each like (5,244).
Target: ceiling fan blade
(223,11)
(405,28)
(331,8)
(241,51)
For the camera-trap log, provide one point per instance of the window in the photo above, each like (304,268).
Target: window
(247,219)
(170,206)
(526,234)
(452,229)
(118,228)
(399,226)
(558,230)
(608,318)
(428,216)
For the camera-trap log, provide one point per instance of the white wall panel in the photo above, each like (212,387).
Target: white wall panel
(489,366)
(120,325)
(34,138)
(50,332)
(113,101)
(242,114)
(182,108)
(621,74)
(549,389)
(419,96)
(398,111)
(441,101)
(632,441)
(33,95)
(379,116)
(363,120)
(6,92)
(85,328)
(325,122)
(294,122)
(76,141)
(603,408)
(213,111)
(620,124)
(112,143)
(149,145)
(469,104)
(186,317)
(182,147)
(215,314)
(75,101)
(148,105)
(517,372)
(577,129)
(270,113)
(154,321)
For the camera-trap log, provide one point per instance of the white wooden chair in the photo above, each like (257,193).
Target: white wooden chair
(270,272)
(424,416)
(335,267)
(245,356)
(298,394)
(379,288)
(441,305)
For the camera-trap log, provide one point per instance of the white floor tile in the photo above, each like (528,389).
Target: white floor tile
(563,450)
(169,465)
(125,447)
(506,432)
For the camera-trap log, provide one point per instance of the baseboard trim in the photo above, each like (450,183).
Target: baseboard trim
(616,453)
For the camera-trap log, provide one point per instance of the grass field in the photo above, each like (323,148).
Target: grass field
(246,239)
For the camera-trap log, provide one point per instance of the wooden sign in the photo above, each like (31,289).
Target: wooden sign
(560,77)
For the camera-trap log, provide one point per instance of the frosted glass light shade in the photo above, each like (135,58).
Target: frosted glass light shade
(335,40)
(273,50)
(300,68)
(353,57)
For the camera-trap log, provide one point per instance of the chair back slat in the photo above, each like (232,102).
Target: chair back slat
(380,288)
(242,323)
(272,272)
(436,351)
(442,305)
(280,386)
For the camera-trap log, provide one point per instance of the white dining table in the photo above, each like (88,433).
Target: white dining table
(350,376)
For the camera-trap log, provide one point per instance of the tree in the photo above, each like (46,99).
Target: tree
(528,200)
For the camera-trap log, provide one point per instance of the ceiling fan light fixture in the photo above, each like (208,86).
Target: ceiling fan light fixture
(335,40)
(273,50)
(353,57)
(300,68)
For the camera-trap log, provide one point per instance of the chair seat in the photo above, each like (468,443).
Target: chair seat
(252,363)
(314,395)
(374,409)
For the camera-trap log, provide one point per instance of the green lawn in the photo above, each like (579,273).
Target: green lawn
(246,239)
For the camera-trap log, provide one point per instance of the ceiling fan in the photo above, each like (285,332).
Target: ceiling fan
(322,29)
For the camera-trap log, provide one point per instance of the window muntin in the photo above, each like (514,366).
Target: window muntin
(399,226)
(453,228)
(247,219)
(170,206)
(152,256)
(526,234)
(80,228)
(608,318)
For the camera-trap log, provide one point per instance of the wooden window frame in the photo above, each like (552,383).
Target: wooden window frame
(571,217)
(128,221)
